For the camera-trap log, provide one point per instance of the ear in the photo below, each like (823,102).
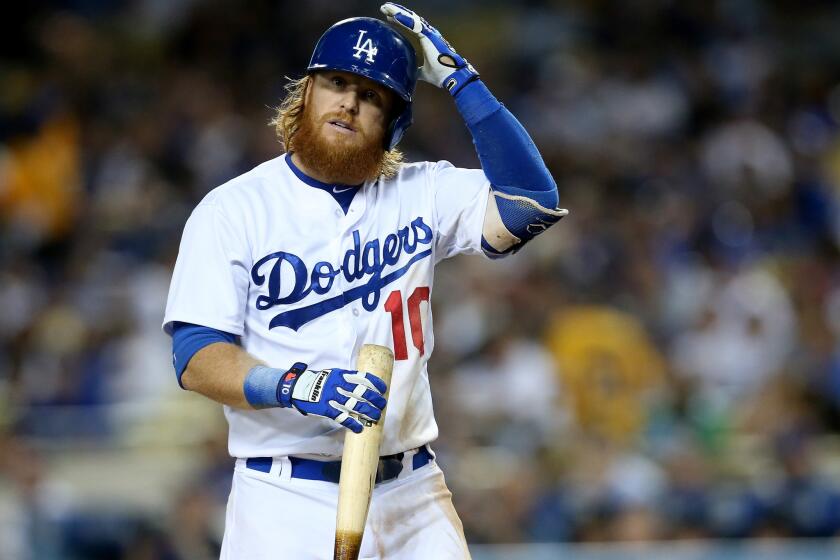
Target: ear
(307,88)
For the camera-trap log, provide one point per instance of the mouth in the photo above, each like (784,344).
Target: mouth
(342,126)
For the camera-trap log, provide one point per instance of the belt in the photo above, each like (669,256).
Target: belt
(390,466)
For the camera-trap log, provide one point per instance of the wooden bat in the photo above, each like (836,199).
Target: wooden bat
(359,463)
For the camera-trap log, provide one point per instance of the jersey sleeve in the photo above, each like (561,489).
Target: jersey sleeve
(210,282)
(460,202)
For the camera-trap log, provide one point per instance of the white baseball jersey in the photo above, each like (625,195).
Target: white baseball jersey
(276,261)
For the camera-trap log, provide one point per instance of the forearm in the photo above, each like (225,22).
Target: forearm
(218,372)
(523,199)
(509,158)
(227,374)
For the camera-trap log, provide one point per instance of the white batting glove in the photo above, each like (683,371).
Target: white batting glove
(443,66)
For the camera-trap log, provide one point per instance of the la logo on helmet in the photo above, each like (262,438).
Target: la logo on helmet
(365,47)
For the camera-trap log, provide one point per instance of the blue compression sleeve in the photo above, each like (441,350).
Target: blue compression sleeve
(187,339)
(508,156)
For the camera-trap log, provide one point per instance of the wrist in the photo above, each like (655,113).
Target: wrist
(459,79)
(267,387)
(287,383)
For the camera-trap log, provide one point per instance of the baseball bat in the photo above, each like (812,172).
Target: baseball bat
(359,463)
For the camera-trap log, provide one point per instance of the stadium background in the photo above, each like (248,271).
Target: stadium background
(663,365)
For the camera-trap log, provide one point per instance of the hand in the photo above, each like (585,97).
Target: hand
(443,67)
(344,396)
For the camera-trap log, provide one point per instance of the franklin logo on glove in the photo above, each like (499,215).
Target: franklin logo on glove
(314,391)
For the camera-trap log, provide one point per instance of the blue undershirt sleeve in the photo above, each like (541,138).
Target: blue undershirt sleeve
(187,339)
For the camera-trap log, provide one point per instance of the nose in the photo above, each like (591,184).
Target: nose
(350,102)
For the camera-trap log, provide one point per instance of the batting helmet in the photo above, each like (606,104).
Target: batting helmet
(371,48)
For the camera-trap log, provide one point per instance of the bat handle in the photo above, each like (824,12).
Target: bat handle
(359,462)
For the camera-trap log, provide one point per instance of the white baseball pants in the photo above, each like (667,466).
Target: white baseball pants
(272,516)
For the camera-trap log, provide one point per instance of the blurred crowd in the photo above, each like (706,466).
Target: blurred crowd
(663,364)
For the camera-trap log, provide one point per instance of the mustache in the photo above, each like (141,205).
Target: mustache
(346,117)
(317,122)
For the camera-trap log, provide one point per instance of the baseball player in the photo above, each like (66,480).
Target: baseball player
(285,271)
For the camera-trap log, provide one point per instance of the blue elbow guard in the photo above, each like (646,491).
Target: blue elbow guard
(520,216)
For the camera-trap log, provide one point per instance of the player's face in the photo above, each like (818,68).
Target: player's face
(349,108)
(340,138)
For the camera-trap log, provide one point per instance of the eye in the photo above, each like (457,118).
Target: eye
(372,95)
(337,81)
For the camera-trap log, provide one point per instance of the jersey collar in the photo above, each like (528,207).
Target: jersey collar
(315,182)
(342,194)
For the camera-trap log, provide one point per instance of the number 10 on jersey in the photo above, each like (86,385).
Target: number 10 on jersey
(394,306)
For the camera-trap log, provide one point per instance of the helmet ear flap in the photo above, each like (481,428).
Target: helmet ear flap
(401,120)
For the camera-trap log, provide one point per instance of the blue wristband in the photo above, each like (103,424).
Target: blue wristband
(260,386)
(267,387)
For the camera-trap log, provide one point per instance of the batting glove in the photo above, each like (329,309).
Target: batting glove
(345,396)
(443,66)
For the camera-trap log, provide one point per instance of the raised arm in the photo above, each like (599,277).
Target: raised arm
(524,197)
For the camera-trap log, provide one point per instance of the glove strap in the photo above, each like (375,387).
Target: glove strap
(287,384)
(456,81)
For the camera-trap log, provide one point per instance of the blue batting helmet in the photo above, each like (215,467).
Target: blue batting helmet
(371,48)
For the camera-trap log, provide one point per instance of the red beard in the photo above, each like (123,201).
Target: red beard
(346,160)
